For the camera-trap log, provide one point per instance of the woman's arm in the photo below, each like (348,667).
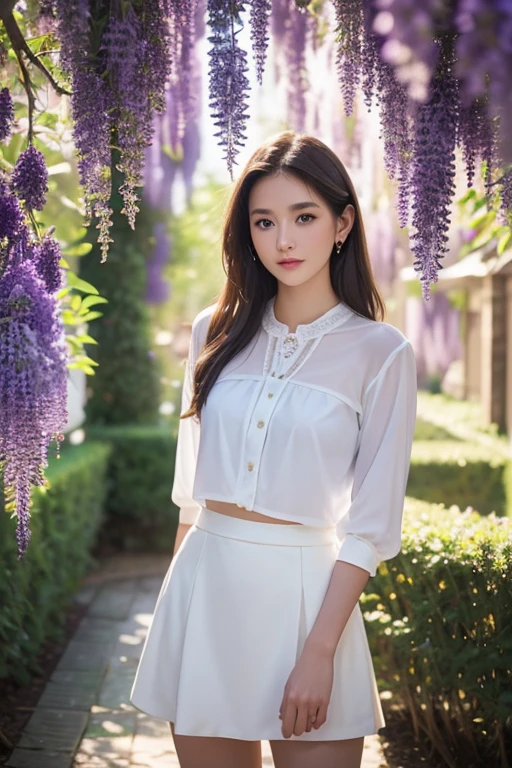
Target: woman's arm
(308,690)
(345,589)
(369,531)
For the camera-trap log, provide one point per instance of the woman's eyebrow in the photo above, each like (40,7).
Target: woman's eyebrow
(293,207)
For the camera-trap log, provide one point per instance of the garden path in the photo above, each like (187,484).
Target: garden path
(84,718)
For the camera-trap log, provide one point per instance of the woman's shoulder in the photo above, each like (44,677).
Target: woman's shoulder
(386,336)
(200,325)
(202,319)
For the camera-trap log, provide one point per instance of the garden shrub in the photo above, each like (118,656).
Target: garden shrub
(139,512)
(438,621)
(461,473)
(36,590)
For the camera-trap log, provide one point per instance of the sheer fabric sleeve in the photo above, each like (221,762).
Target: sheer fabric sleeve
(187,445)
(371,530)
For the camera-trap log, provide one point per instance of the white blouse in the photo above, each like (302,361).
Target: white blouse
(314,427)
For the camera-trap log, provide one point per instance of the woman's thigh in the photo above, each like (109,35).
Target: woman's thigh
(209,752)
(346,753)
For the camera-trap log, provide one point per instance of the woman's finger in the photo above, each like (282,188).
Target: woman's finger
(321,716)
(311,721)
(289,716)
(301,720)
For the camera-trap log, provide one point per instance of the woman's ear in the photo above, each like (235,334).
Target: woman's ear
(345,222)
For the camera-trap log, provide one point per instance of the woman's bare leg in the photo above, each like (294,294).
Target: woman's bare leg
(212,752)
(346,753)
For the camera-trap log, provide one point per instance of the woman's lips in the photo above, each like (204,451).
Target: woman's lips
(290,264)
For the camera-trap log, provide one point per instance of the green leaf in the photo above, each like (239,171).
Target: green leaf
(482,221)
(86,339)
(83,367)
(91,316)
(63,263)
(70,318)
(76,303)
(470,195)
(82,249)
(504,242)
(81,285)
(90,301)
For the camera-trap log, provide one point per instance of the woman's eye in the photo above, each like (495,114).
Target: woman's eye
(307,216)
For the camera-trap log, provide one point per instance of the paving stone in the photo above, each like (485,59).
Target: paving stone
(108,749)
(373,756)
(84,760)
(71,690)
(117,685)
(85,657)
(130,639)
(266,754)
(31,758)
(54,729)
(114,600)
(153,746)
(86,595)
(110,725)
(93,629)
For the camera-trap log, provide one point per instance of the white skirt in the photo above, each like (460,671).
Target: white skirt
(230,622)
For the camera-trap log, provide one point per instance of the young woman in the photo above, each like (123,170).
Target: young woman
(293,452)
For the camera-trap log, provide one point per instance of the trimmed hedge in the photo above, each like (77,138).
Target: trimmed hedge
(35,591)
(438,621)
(465,474)
(139,512)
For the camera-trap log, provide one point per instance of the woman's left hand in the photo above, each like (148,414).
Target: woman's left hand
(307,693)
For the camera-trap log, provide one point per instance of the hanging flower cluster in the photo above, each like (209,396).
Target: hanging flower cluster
(229,84)
(442,81)
(118,56)
(33,350)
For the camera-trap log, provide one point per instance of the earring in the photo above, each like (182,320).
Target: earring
(253,252)
(338,246)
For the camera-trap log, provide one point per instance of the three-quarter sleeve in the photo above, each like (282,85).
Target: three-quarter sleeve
(188,443)
(371,530)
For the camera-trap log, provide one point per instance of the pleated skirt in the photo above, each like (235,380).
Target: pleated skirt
(231,619)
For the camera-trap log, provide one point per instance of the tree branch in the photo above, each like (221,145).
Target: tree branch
(19,44)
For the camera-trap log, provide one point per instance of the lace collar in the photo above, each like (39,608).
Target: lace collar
(326,322)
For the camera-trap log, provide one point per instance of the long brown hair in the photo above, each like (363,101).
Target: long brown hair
(249,285)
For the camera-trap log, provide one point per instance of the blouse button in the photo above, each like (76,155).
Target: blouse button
(261,424)
(250,466)
(270,394)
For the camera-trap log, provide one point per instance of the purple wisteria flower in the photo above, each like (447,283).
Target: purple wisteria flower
(12,220)
(484,60)
(229,84)
(350,31)
(30,178)
(433,172)
(46,258)
(6,114)
(259,21)
(33,383)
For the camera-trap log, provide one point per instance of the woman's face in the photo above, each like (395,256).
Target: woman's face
(290,222)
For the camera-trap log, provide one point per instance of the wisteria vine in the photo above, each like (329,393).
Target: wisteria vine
(33,350)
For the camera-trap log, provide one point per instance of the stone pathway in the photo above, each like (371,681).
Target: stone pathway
(84,718)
